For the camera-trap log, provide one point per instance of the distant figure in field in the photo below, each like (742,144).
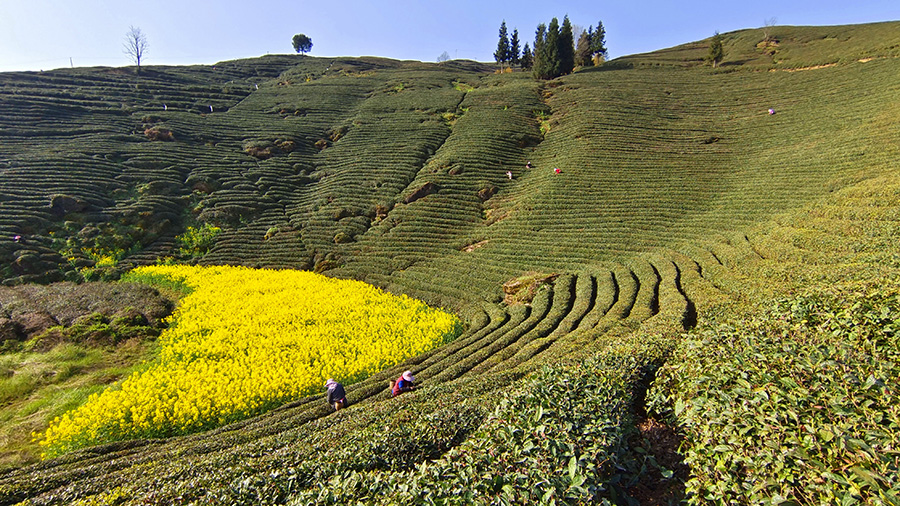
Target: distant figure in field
(405,383)
(771,112)
(527,165)
(335,396)
(509,174)
(556,170)
(17,238)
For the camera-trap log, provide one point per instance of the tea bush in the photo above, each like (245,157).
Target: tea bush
(795,405)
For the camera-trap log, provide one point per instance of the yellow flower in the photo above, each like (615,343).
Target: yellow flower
(247,340)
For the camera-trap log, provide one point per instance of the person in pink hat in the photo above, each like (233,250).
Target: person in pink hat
(405,383)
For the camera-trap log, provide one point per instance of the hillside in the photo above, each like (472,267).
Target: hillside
(680,203)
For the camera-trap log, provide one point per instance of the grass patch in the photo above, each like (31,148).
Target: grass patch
(462,87)
(97,337)
(543,119)
(170,286)
(35,388)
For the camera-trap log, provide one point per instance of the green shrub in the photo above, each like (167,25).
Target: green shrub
(98,329)
(462,87)
(197,241)
(342,238)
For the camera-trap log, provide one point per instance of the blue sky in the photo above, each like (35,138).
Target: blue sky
(46,34)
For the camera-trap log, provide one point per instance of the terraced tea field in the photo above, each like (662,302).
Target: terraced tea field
(680,203)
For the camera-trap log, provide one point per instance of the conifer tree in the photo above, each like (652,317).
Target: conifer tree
(566,48)
(598,43)
(514,48)
(527,60)
(550,51)
(716,50)
(540,65)
(501,55)
(583,49)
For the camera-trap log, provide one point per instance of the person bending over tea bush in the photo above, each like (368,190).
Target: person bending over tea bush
(335,396)
(405,383)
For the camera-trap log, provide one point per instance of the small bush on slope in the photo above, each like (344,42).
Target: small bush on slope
(797,404)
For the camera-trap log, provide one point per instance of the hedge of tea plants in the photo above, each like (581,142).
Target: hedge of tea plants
(562,436)
(796,401)
(797,404)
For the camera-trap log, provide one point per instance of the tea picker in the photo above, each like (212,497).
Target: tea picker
(335,395)
(405,383)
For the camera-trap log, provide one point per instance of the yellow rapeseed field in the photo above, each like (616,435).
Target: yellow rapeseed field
(246,340)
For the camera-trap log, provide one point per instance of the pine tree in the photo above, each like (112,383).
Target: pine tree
(514,48)
(539,64)
(716,50)
(551,50)
(566,48)
(501,55)
(527,59)
(598,43)
(583,49)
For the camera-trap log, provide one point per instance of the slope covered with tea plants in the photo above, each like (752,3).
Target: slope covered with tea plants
(680,202)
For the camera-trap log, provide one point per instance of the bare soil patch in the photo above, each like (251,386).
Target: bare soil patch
(662,442)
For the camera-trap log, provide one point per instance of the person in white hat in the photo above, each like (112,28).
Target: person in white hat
(335,396)
(405,383)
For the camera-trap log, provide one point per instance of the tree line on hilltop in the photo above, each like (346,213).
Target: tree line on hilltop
(555,51)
